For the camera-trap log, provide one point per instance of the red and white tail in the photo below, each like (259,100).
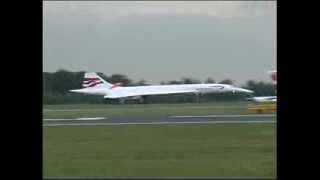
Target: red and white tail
(273,75)
(93,80)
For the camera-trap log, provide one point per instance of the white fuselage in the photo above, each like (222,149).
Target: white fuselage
(123,92)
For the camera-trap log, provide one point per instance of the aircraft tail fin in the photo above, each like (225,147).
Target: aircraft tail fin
(92,79)
(273,76)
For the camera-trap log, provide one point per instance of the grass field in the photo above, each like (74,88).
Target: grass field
(189,150)
(139,110)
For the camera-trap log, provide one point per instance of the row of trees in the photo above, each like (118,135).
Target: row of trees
(56,88)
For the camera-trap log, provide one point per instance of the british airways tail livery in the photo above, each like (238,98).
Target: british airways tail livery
(93,80)
(273,75)
(95,85)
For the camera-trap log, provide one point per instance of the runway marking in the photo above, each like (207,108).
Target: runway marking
(62,110)
(159,123)
(227,116)
(77,119)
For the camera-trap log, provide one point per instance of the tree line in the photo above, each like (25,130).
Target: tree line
(56,86)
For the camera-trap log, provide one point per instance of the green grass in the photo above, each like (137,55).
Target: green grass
(138,110)
(242,150)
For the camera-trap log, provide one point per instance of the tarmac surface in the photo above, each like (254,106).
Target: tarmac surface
(204,119)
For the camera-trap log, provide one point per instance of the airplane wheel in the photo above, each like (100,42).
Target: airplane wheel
(143,100)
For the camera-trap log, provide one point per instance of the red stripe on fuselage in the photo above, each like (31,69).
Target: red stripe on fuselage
(88,82)
(116,85)
(90,79)
(93,84)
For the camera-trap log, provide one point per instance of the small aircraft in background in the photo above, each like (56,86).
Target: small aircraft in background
(95,85)
(263,99)
(273,75)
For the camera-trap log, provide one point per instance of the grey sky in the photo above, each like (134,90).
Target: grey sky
(159,41)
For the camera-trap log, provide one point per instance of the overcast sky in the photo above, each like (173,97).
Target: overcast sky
(161,41)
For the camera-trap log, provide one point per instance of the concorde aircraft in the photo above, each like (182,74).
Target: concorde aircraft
(95,85)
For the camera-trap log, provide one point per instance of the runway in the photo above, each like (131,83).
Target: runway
(203,119)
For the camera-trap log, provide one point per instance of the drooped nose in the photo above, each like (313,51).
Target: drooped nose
(242,90)
(76,90)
